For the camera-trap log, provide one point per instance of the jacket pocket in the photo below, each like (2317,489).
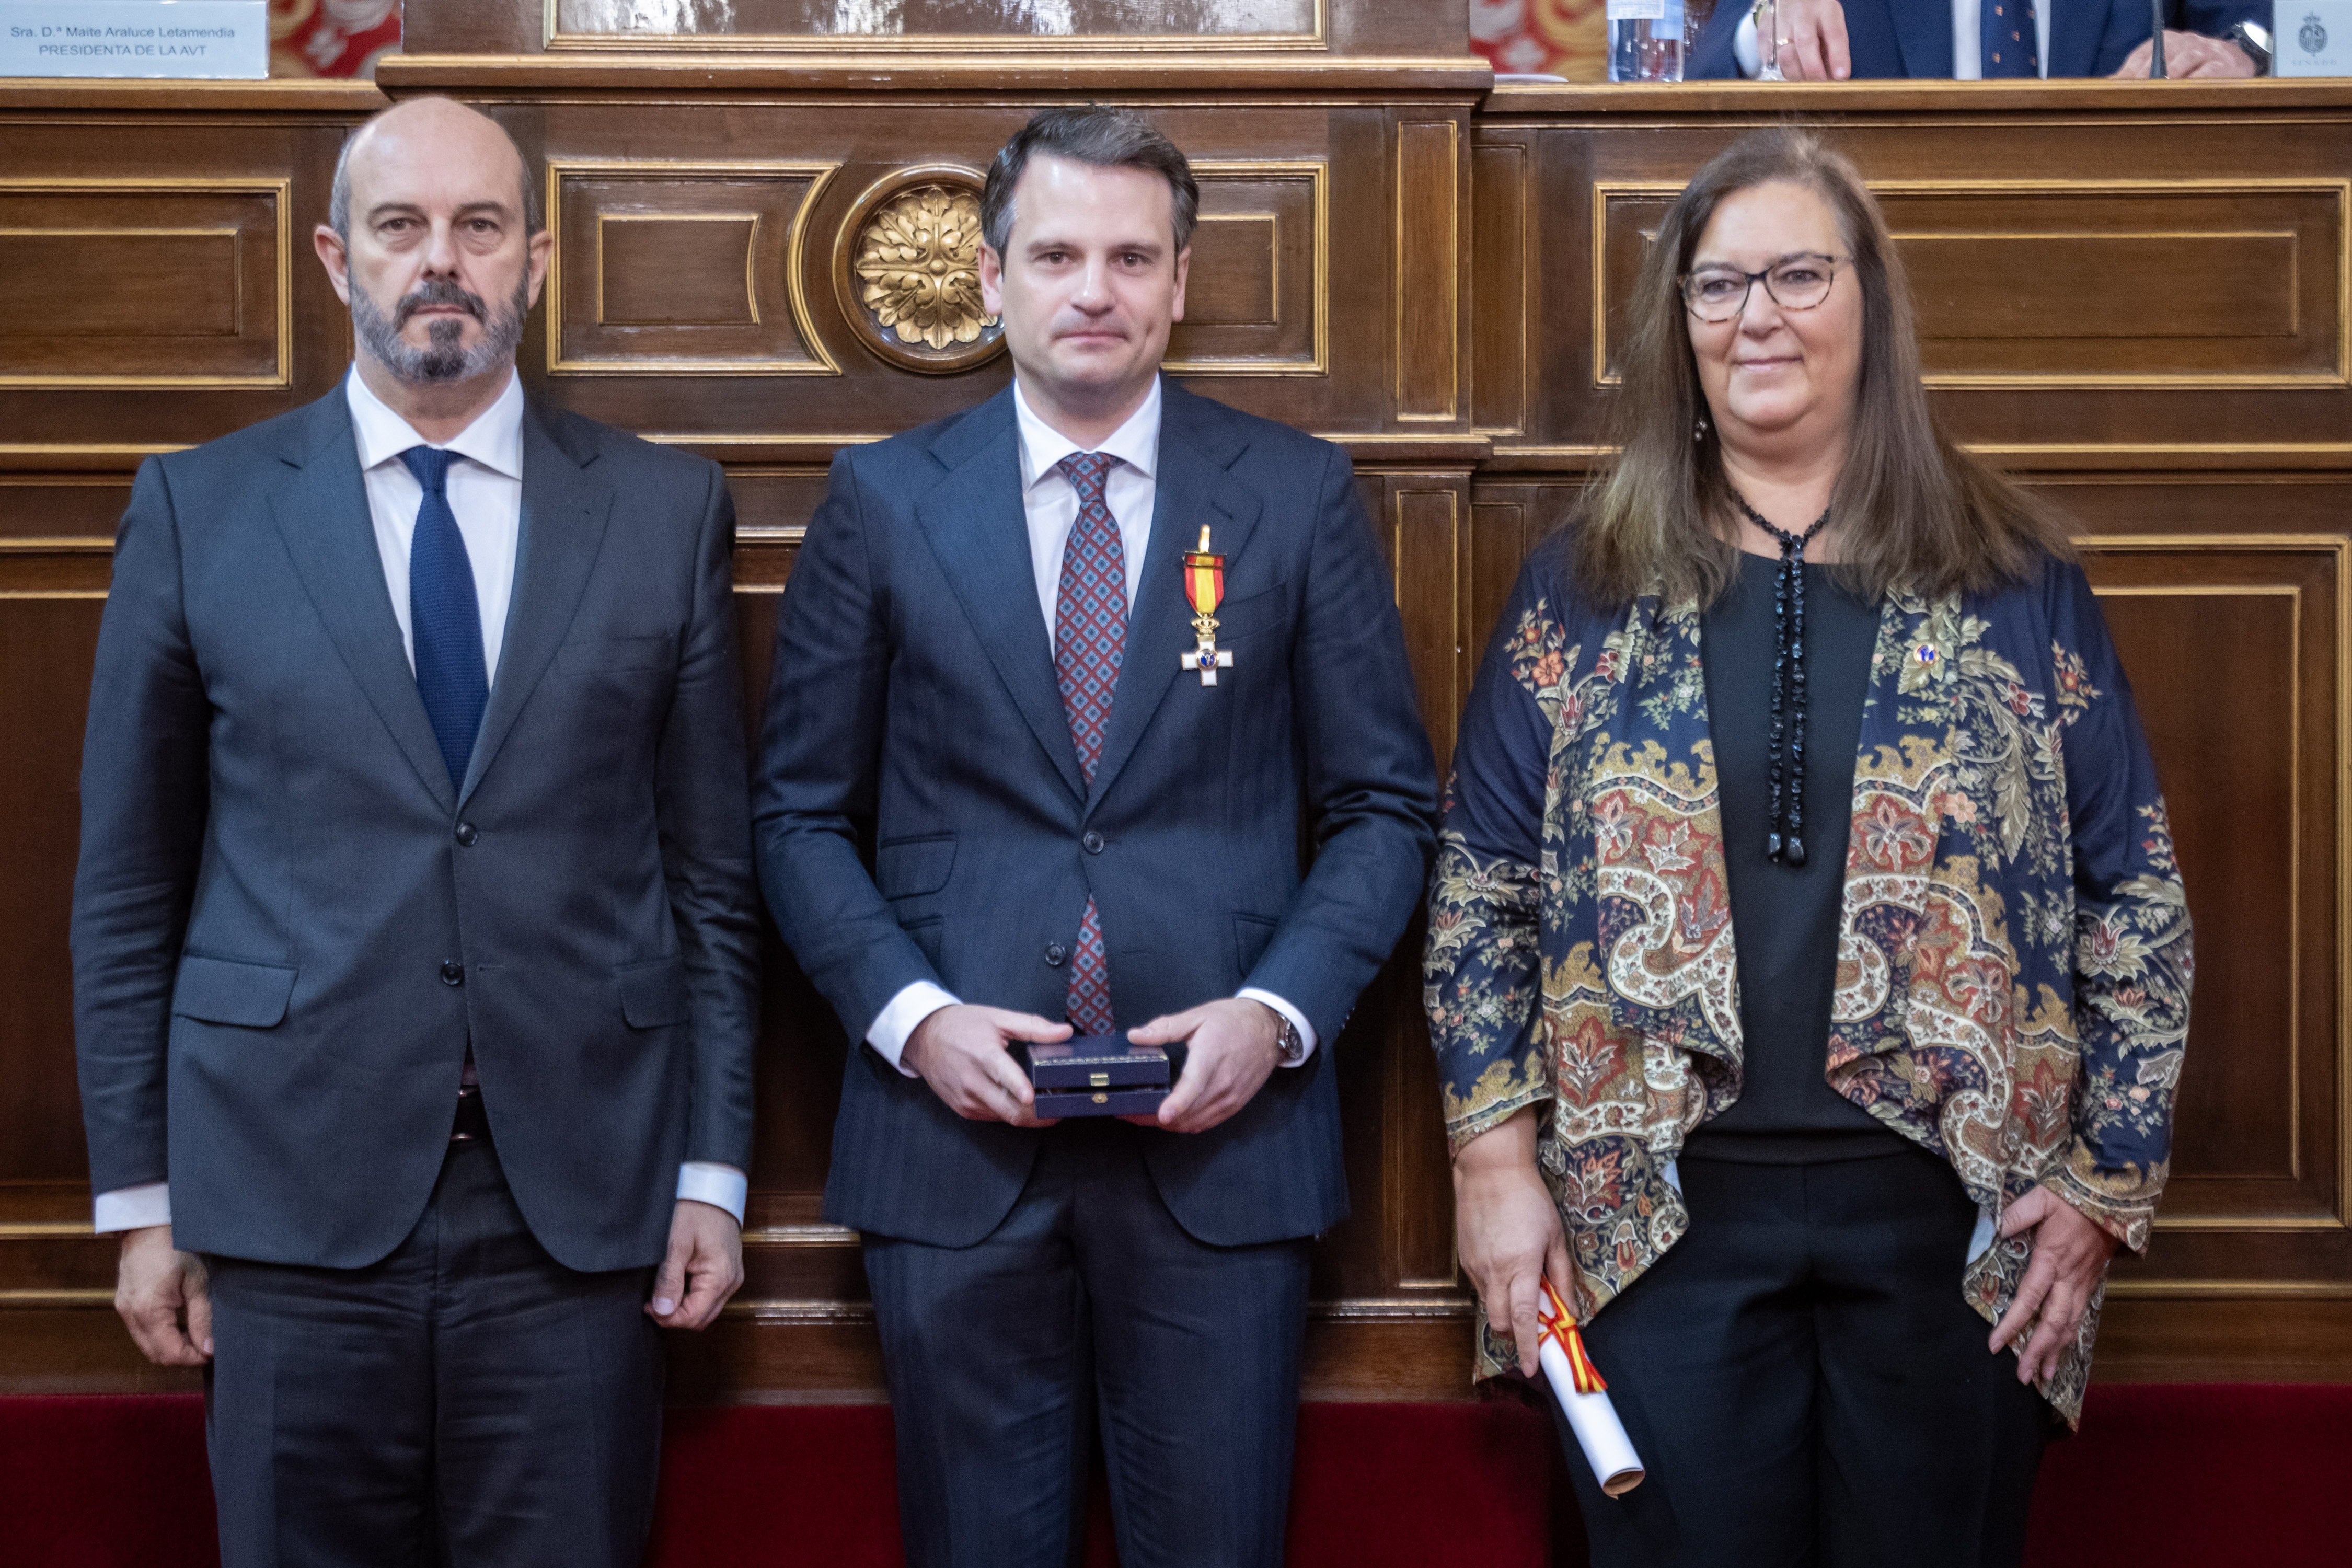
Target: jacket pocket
(654,993)
(909,867)
(591,655)
(227,991)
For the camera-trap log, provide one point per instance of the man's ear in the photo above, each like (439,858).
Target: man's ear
(335,257)
(543,245)
(1183,270)
(992,280)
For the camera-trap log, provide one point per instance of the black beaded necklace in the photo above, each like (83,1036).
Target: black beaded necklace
(1786,839)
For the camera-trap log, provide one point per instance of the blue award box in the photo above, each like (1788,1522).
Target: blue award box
(1099,1075)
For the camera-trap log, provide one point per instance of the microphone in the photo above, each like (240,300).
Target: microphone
(2156,41)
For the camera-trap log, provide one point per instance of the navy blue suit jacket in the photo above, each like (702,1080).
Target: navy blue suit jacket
(1914,37)
(276,869)
(919,813)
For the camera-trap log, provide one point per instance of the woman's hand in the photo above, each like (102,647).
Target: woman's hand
(2070,1255)
(1508,1229)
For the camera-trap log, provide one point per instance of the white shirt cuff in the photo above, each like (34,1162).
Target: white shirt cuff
(1743,48)
(1297,1020)
(898,1017)
(133,1209)
(721,1186)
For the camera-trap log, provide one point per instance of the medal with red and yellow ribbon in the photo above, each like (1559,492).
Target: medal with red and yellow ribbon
(1204,590)
(1556,1325)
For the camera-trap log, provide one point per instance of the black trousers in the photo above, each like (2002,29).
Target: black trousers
(466,1401)
(1091,1302)
(1805,1385)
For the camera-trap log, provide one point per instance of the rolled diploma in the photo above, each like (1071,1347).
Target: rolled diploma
(1594,1421)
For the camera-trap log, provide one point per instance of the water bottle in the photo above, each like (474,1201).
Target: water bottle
(1645,40)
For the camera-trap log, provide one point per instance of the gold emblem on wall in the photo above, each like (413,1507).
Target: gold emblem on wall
(907,269)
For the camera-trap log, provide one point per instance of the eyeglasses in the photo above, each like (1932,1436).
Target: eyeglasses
(1795,282)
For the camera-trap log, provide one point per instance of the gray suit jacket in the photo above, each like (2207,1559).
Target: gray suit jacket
(287,924)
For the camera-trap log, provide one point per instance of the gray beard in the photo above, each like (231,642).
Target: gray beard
(441,360)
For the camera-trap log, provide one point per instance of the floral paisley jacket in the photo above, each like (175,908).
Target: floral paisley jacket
(2013,954)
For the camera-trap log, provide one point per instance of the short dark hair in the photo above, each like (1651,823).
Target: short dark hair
(1110,138)
(339,196)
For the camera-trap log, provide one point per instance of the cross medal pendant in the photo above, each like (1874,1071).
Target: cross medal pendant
(1204,590)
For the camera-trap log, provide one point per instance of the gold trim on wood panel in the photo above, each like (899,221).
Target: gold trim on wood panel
(2341,189)
(554,38)
(1452,270)
(2209,1289)
(280,191)
(2340,548)
(801,1236)
(819,175)
(750,258)
(1318,173)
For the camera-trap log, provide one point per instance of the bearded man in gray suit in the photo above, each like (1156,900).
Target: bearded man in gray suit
(415,947)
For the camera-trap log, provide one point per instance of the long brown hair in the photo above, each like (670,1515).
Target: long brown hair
(1911,509)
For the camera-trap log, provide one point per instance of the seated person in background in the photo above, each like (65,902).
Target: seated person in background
(1832,40)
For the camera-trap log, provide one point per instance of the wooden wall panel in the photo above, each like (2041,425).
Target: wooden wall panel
(677,268)
(142,282)
(2082,305)
(1377,264)
(2061,284)
(162,285)
(1287,320)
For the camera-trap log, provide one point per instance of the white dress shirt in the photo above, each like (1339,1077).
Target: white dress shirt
(485,492)
(1051,503)
(1967,39)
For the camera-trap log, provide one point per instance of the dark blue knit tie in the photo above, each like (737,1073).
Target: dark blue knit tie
(2011,41)
(445,619)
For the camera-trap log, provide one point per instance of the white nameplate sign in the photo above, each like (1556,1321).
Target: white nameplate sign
(2312,37)
(134,38)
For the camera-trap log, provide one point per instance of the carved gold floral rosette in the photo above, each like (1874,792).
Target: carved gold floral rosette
(907,269)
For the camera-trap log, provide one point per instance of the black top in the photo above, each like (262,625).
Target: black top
(1784,918)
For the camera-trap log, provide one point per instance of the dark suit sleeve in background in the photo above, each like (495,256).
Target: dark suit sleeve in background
(1370,783)
(144,782)
(820,767)
(701,794)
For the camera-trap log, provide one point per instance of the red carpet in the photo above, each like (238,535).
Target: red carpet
(2159,1477)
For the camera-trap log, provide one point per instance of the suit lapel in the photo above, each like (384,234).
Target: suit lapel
(1193,489)
(322,513)
(1924,33)
(564,511)
(979,532)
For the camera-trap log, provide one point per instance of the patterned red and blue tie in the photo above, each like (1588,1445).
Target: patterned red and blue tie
(1089,640)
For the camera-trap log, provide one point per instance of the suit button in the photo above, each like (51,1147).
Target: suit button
(1055,954)
(453,972)
(466,834)
(1093,842)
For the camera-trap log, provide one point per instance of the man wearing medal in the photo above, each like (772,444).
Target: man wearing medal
(1058,682)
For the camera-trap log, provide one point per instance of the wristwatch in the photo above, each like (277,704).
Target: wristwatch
(1289,1043)
(2256,39)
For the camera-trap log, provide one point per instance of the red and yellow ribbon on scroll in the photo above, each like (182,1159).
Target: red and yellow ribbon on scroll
(1557,1324)
(1204,579)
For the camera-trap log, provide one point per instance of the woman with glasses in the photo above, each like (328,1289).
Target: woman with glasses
(1807,965)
